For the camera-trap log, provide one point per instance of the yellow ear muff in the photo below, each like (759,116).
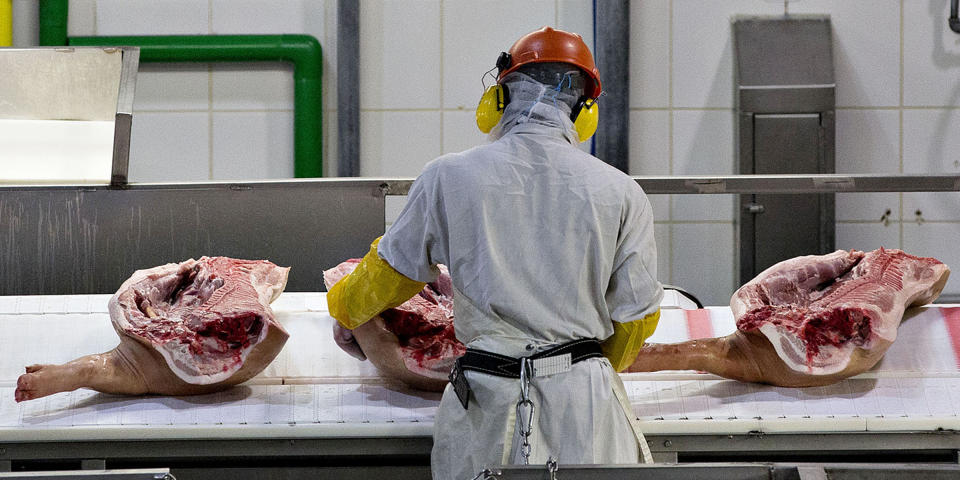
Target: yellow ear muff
(586,121)
(490,108)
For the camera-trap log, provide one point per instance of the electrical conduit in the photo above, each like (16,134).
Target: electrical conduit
(303,51)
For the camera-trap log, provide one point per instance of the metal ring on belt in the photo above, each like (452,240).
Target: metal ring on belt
(504,366)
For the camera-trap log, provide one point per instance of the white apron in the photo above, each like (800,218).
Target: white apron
(545,244)
(578,419)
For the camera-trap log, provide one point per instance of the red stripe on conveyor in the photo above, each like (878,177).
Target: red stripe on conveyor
(951,317)
(699,324)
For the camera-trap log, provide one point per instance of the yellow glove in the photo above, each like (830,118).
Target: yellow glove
(623,346)
(371,288)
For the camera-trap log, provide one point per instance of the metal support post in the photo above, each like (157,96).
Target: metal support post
(613,59)
(348,88)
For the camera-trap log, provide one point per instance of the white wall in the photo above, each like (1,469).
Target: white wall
(898,102)
(898,92)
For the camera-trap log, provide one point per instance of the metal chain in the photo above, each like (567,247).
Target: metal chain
(552,468)
(525,404)
(487,474)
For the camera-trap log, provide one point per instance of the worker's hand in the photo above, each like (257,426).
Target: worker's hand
(372,287)
(346,342)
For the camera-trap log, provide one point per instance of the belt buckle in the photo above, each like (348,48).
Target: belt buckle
(543,367)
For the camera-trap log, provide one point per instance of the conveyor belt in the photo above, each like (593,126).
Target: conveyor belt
(313,390)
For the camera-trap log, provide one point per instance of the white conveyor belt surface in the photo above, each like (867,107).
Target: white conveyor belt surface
(314,390)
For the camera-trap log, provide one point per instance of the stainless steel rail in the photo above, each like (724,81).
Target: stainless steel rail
(746,184)
(723,471)
(128,474)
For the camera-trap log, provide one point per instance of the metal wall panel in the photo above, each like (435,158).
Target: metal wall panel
(785,105)
(789,225)
(72,240)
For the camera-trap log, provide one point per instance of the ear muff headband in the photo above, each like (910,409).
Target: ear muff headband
(491,106)
(584,116)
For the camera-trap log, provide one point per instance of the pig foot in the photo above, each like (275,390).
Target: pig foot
(39,381)
(106,372)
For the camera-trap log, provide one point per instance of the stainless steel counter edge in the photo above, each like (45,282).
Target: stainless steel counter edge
(207,432)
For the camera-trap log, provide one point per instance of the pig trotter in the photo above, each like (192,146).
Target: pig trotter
(106,372)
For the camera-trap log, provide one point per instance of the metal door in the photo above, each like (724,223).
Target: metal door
(787,226)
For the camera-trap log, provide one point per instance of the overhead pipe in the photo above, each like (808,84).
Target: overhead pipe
(303,51)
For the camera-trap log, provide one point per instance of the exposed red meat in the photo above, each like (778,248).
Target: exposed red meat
(415,341)
(188,328)
(811,320)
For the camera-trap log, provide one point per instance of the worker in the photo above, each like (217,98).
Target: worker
(554,268)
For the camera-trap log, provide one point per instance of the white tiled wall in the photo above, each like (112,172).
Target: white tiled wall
(897,68)
(898,102)
(219,121)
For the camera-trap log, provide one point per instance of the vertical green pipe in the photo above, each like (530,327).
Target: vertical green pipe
(302,50)
(307,126)
(53,23)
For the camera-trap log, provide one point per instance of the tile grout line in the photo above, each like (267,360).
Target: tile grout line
(670,113)
(222,110)
(96,26)
(325,127)
(840,107)
(442,115)
(210,97)
(900,120)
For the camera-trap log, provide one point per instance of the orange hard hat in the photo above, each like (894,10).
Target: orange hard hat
(549,45)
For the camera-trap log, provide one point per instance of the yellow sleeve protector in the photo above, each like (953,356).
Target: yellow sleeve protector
(371,288)
(623,346)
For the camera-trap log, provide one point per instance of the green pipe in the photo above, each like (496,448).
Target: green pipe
(53,23)
(302,50)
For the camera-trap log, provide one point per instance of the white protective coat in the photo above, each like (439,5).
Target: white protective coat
(545,244)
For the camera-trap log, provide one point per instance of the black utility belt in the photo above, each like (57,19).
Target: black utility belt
(548,362)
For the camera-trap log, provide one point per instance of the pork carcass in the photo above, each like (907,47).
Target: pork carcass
(189,328)
(812,320)
(414,342)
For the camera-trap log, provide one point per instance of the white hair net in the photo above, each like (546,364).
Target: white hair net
(532,101)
